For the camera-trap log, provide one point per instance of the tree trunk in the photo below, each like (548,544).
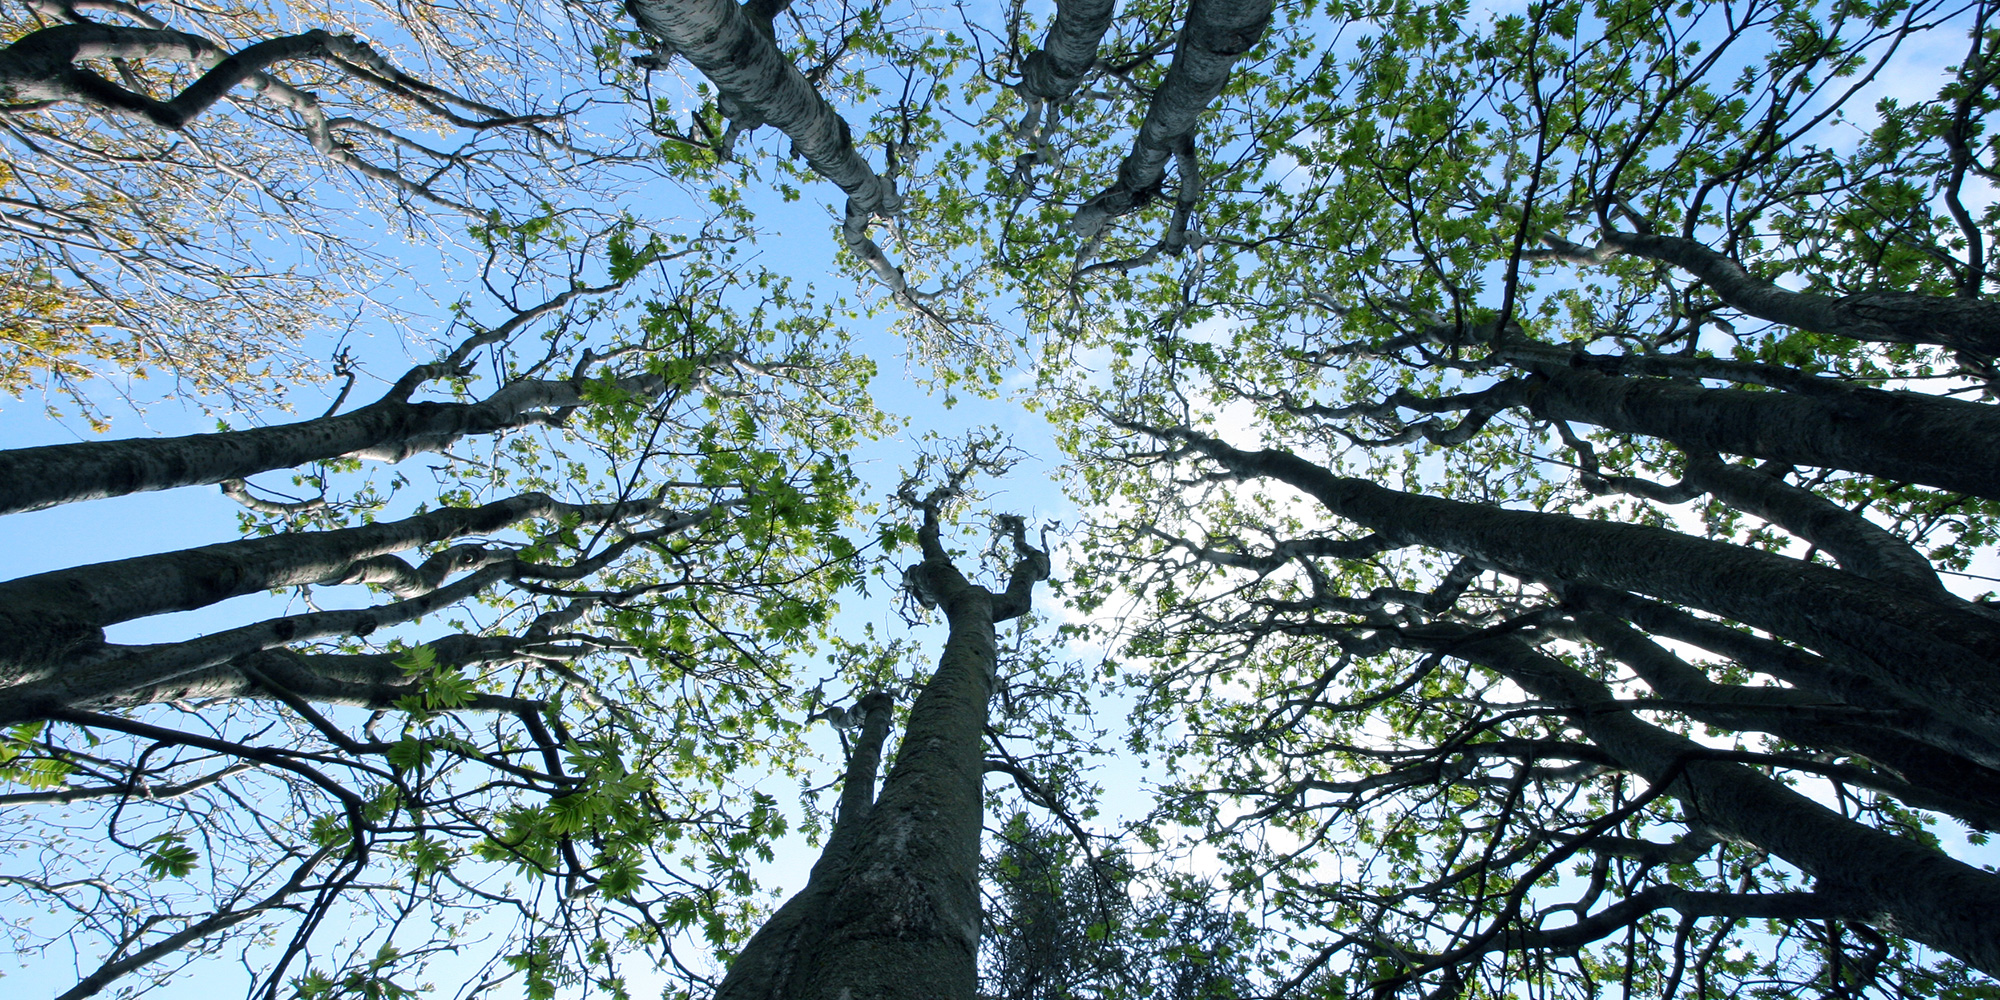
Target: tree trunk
(759,86)
(1068,50)
(772,963)
(1941,781)
(892,908)
(390,429)
(1898,436)
(1936,653)
(1217,33)
(52,649)
(1964,324)
(42,66)
(1900,885)
(1858,544)
(758,81)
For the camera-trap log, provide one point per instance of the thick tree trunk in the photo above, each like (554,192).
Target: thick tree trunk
(759,86)
(52,649)
(1898,884)
(747,69)
(772,963)
(390,429)
(891,910)
(1940,781)
(1898,436)
(106,593)
(1938,654)
(904,921)
(1068,50)
(1809,673)
(42,66)
(1964,324)
(1217,33)
(361,680)
(1858,544)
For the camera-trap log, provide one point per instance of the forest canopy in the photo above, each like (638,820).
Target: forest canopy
(1528,498)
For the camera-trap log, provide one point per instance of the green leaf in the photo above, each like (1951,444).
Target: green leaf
(171,859)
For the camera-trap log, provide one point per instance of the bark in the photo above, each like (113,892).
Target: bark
(1794,666)
(390,430)
(1964,324)
(41,67)
(1067,51)
(51,624)
(1858,544)
(892,909)
(759,86)
(1217,33)
(1897,884)
(1937,654)
(771,962)
(1898,436)
(361,680)
(1811,674)
(1938,781)
(1535,357)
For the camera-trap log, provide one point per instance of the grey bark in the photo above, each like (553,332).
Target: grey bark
(1534,356)
(1858,544)
(892,908)
(1931,778)
(1965,324)
(41,67)
(1897,884)
(1216,34)
(52,649)
(389,429)
(361,680)
(1814,675)
(1939,655)
(1898,436)
(107,675)
(771,963)
(106,593)
(759,86)
(1068,49)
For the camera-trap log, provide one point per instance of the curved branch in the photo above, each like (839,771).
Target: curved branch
(1966,324)
(1216,34)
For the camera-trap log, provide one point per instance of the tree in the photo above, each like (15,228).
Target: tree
(1384,418)
(892,906)
(542,719)
(156,156)
(1063,926)
(1577,736)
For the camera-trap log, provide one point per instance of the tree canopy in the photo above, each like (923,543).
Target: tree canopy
(1533,471)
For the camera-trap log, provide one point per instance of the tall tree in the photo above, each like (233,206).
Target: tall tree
(539,724)
(166,183)
(1453,617)
(891,908)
